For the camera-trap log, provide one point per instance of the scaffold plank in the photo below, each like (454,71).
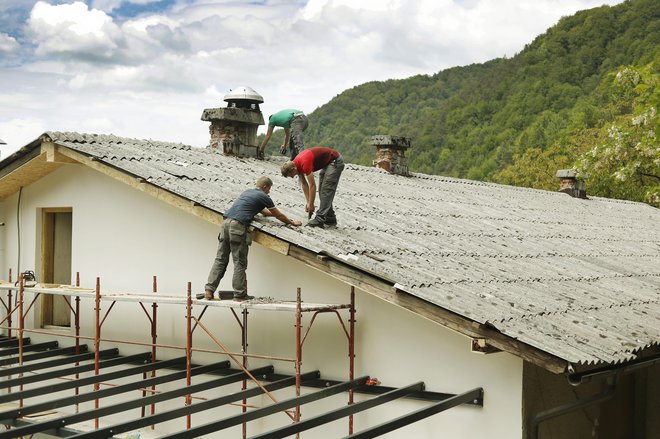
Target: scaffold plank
(258,303)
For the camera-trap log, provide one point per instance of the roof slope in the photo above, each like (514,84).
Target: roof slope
(579,279)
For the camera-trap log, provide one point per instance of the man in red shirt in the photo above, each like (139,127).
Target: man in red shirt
(331,165)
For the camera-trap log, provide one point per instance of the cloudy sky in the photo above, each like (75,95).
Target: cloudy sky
(147,68)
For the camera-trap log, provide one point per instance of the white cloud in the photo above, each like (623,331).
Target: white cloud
(19,132)
(73,29)
(8,44)
(152,75)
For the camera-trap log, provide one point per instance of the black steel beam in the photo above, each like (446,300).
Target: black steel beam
(54,424)
(422,395)
(38,391)
(417,415)
(9,415)
(60,361)
(5,343)
(340,413)
(37,356)
(140,402)
(190,409)
(29,348)
(65,371)
(212,427)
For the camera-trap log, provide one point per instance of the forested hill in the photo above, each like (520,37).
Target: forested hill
(479,121)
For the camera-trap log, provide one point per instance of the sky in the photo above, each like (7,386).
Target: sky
(148,68)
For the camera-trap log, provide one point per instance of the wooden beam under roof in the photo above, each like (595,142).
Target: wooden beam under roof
(32,168)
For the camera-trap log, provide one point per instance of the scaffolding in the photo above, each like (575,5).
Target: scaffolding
(149,303)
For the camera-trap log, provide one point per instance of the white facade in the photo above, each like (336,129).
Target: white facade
(126,237)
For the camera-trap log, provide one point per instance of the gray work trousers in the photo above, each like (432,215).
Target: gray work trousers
(297,142)
(233,238)
(328,181)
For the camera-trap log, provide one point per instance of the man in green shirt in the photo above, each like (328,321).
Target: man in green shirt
(294,123)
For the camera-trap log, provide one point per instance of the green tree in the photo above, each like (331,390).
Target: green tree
(624,162)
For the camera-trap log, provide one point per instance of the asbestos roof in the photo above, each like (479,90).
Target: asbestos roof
(578,279)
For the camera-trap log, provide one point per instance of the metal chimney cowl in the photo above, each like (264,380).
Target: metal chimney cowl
(233,128)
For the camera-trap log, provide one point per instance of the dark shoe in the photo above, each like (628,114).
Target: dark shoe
(225,295)
(315,222)
(242,298)
(331,222)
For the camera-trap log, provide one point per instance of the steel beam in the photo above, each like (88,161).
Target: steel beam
(418,415)
(190,409)
(65,371)
(29,348)
(422,395)
(5,343)
(340,413)
(37,356)
(103,393)
(58,361)
(39,391)
(54,424)
(297,401)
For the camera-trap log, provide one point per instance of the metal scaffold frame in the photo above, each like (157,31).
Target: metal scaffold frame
(78,354)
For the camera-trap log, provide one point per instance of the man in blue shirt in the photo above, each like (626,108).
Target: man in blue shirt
(294,123)
(234,237)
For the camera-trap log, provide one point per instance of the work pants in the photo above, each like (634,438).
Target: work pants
(328,181)
(233,239)
(299,124)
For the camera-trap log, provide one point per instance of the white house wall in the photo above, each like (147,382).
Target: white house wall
(3,237)
(125,237)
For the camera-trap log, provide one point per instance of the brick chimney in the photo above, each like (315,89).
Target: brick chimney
(234,128)
(391,153)
(570,184)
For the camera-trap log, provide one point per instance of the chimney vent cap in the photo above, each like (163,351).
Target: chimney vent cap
(243,93)
(566,173)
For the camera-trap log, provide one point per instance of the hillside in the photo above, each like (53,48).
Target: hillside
(478,121)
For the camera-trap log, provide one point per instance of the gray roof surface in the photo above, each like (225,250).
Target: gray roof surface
(579,279)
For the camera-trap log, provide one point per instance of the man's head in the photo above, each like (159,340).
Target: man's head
(264,183)
(289,169)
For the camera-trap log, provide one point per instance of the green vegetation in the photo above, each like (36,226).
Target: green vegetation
(583,95)
(619,153)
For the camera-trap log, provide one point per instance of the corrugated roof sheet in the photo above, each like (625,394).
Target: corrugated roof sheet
(579,279)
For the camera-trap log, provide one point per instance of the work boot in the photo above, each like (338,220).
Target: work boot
(315,222)
(241,298)
(225,294)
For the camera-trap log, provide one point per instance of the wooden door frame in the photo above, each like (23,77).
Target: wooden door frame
(47,256)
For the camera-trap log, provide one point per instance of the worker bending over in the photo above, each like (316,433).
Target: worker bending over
(331,165)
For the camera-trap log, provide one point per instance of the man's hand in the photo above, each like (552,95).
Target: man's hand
(296,223)
(310,210)
(283,149)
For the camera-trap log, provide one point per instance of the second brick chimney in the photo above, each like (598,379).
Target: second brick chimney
(391,153)
(570,184)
